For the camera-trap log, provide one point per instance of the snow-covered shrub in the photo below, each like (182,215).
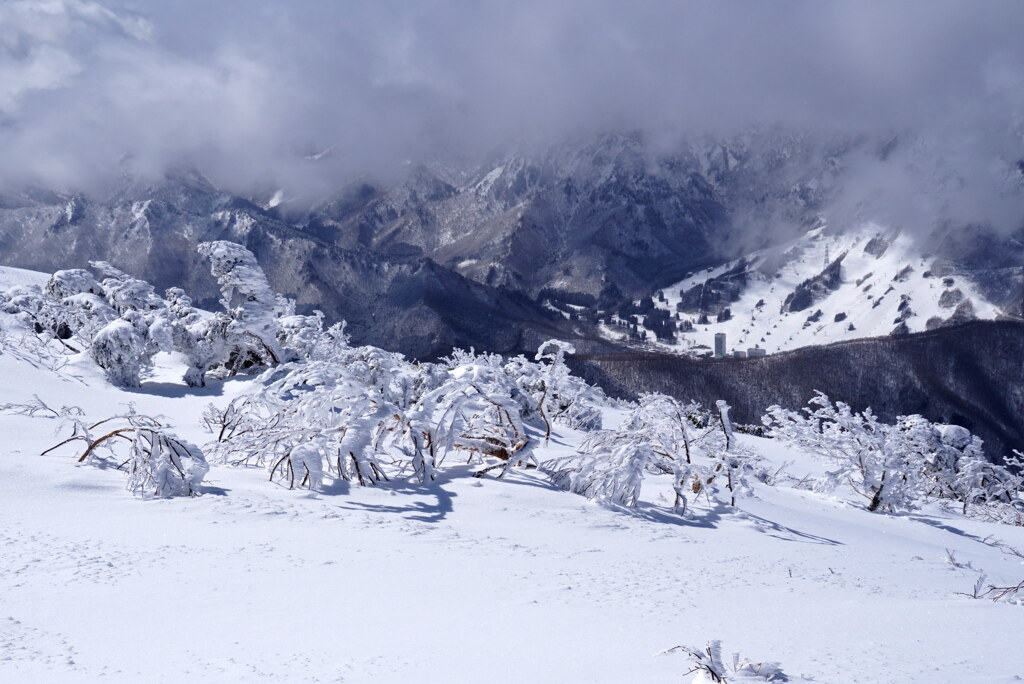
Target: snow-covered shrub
(85,315)
(120,349)
(871,457)
(162,465)
(122,323)
(894,466)
(125,346)
(258,327)
(316,401)
(125,293)
(304,337)
(158,462)
(610,467)
(479,410)
(195,337)
(372,415)
(72,282)
(37,311)
(303,460)
(660,436)
(550,391)
(979,483)
(711,668)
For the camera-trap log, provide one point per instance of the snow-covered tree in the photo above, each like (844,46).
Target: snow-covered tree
(659,436)
(894,466)
(252,306)
(125,346)
(870,457)
(72,282)
(125,293)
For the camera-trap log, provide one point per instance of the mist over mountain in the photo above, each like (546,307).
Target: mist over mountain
(306,96)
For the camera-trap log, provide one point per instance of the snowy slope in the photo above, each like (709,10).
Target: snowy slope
(10,277)
(886,280)
(465,579)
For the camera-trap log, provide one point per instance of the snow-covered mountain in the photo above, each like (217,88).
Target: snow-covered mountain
(500,250)
(405,302)
(602,217)
(821,288)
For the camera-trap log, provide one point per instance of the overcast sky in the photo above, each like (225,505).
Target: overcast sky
(246,88)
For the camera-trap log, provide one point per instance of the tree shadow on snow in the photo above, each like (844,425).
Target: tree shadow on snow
(424,511)
(177,390)
(945,527)
(710,517)
(421,511)
(778,531)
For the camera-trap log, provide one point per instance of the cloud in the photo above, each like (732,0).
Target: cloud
(247,90)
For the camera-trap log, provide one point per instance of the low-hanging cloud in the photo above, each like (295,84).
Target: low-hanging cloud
(248,90)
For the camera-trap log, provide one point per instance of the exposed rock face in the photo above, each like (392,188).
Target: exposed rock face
(715,294)
(814,289)
(951,298)
(402,302)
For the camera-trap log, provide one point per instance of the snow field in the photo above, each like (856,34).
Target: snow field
(466,579)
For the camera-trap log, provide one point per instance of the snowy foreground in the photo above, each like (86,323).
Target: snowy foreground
(463,579)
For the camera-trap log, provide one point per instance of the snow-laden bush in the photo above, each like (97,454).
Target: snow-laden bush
(874,459)
(303,461)
(894,466)
(610,467)
(162,465)
(86,314)
(158,462)
(37,311)
(660,435)
(323,403)
(710,667)
(372,415)
(555,394)
(125,346)
(121,322)
(72,282)
(125,293)
(119,348)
